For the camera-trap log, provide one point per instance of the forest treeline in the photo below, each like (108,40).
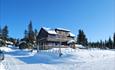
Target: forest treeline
(31,33)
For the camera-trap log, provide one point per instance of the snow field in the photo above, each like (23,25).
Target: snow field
(72,59)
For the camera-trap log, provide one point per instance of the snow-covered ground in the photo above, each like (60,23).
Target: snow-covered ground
(72,59)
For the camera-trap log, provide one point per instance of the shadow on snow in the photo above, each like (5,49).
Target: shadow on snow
(41,57)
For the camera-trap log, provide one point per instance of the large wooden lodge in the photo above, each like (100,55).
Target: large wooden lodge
(58,37)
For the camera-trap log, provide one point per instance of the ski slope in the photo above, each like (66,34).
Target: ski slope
(72,59)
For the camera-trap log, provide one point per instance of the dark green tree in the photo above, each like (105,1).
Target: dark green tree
(0,32)
(110,43)
(31,36)
(35,33)
(114,40)
(5,33)
(26,34)
(81,38)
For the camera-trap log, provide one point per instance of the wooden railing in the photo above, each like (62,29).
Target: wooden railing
(59,39)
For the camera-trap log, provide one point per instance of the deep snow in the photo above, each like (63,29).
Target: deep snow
(72,59)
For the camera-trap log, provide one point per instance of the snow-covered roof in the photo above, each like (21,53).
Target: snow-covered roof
(63,29)
(80,46)
(49,30)
(22,42)
(52,31)
(71,34)
(8,42)
(6,49)
(46,28)
(71,41)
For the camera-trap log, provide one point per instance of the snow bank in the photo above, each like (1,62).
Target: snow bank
(6,49)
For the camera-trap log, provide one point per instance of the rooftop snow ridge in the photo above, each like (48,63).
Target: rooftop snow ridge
(52,31)
(49,30)
(46,28)
(71,34)
(63,29)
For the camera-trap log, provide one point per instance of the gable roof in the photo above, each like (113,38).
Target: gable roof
(52,31)
(49,30)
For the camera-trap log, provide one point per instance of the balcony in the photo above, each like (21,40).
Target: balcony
(56,39)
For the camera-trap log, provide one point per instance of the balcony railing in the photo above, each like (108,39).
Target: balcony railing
(59,39)
(56,46)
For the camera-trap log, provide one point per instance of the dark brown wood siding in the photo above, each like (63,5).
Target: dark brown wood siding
(42,34)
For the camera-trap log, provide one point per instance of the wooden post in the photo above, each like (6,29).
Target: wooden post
(60,54)
(38,47)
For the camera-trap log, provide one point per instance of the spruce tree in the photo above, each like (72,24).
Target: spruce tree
(5,32)
(110,43)
(0,32)
(30,33)
(26,34)
(81,38)
(35,33)
(114,40)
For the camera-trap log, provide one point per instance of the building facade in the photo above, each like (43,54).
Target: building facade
(48,38)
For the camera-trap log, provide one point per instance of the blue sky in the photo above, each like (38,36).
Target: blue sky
(95,17)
